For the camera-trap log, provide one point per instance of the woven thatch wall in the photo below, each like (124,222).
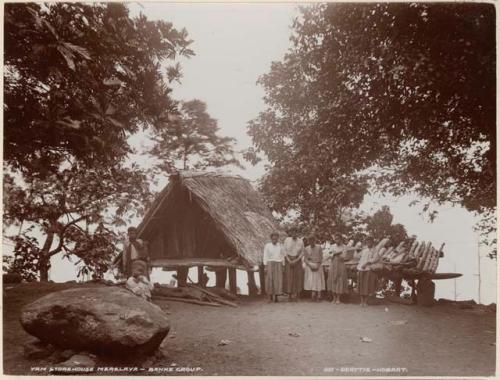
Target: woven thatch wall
(208,215)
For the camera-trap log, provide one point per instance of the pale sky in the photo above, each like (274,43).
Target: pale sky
(235,44)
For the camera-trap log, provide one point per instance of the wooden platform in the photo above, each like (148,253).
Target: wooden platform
(407,272)
(188,262)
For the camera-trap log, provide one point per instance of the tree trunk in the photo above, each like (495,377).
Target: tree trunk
(44,270)
(44,257)
(184,166)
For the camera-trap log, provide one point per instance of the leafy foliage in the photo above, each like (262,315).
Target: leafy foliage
(400,94)
(77,210)
(192,141)
(79,79)
(26,256)
(379,226)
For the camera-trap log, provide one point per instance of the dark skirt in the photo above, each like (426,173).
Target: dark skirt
(367,282)
(274,278)
(337,277)
(294,277)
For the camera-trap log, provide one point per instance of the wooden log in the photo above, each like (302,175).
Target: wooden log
(223,293)
(187,300)
(232,281)
(213,296)
(182,292)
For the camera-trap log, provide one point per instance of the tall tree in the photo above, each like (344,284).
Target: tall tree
(193,140)
(404,93)
(76,211)
(379,225)
(79,79)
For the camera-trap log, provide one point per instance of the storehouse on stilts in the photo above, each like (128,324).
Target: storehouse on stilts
(208,220)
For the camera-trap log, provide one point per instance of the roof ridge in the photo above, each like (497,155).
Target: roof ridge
(195,173)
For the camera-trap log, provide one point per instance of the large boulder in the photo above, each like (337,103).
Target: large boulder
(35,349)
(104,320)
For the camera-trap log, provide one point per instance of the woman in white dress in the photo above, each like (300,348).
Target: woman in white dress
(314,277)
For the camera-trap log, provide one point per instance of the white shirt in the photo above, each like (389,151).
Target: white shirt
(140,287)
(293,247)
(273,252)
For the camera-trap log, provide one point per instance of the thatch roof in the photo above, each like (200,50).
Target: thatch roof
(235,207)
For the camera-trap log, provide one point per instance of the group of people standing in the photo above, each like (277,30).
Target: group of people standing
(297,265)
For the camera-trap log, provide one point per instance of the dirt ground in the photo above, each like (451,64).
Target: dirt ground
(301,338)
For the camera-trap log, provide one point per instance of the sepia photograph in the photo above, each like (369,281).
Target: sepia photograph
(249,189)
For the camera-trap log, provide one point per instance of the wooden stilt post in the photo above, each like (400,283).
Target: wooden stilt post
(220,277)
(252,286)
(232,281)
(201,276)
(262,278)
(182,275)
(413,296)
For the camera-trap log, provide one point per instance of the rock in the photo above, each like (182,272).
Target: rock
(78,360)
(66,354)
(36,349)
(157,358)
(104,320)
(77,364)
(492,307)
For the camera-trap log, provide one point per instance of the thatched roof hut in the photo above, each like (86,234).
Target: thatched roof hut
(207,219)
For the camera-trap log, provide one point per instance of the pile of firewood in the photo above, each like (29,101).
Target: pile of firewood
(195,294)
